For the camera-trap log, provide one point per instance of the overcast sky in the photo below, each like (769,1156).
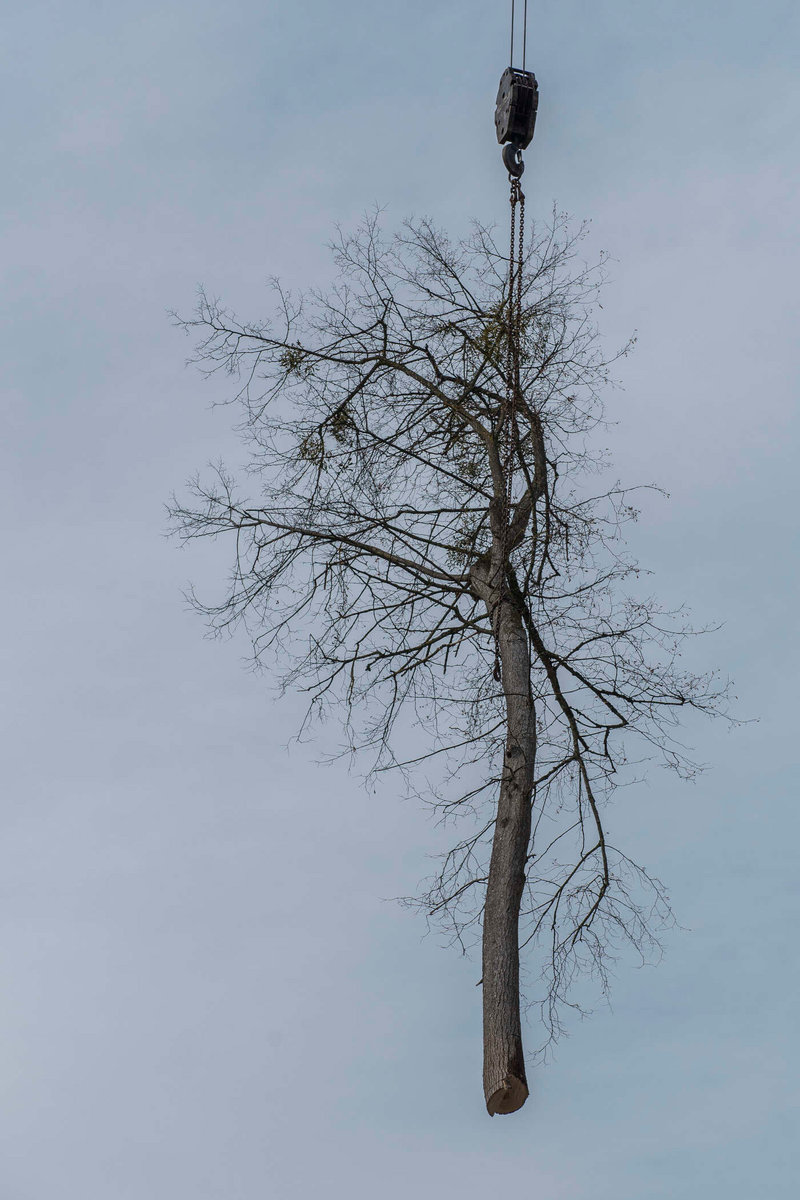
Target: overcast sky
(205,994)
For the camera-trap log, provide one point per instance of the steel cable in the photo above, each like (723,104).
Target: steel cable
(524,32)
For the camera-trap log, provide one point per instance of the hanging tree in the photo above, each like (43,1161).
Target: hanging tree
(419,503)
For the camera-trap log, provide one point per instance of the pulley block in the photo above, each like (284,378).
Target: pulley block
(515,113)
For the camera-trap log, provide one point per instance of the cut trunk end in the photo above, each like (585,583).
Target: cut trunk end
(508,1097)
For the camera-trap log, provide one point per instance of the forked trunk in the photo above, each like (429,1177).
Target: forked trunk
(504,1082)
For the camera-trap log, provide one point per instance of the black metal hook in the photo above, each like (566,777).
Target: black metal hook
(512,160)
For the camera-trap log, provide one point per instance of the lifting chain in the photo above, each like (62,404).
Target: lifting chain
(507,424)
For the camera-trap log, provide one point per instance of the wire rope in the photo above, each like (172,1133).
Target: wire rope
(524,32)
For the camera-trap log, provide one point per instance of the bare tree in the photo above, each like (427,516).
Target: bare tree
(387,558)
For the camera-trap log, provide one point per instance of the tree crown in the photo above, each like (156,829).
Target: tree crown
(372,548)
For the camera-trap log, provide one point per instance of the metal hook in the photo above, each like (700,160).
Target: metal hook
(512,160)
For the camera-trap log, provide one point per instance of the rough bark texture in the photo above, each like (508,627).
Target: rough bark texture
(504,1082)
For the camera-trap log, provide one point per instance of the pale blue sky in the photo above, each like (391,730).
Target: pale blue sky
(204,995)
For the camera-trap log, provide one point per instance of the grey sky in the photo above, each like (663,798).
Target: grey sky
(204,996)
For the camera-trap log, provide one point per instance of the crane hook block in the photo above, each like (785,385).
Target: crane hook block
(515,113)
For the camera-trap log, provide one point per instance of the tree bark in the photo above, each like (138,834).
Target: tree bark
(504,1081)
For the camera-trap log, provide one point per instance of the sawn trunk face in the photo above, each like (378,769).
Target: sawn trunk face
(504,1082)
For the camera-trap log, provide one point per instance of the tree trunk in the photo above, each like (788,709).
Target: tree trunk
(504,1083)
